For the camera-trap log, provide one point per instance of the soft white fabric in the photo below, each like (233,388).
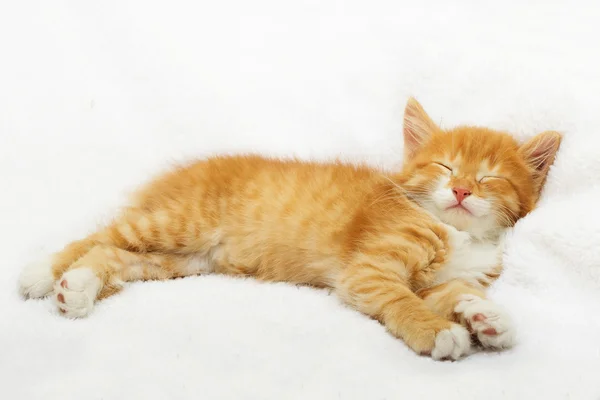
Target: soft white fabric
(97,95)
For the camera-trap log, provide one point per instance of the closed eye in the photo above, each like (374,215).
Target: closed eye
(487,178)
(443,165)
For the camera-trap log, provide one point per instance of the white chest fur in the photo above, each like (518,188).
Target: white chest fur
(470,260)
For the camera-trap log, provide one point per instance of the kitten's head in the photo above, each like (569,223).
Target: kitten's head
(476,179)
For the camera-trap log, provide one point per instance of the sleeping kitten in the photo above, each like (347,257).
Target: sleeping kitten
(415,249)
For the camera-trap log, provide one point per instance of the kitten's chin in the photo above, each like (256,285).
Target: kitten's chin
(479,227)
(462,221)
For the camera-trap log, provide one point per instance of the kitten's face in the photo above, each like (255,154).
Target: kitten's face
(476,179)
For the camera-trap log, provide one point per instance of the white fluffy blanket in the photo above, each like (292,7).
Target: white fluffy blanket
(95,96)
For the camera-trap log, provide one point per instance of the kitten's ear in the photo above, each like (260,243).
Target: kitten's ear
(418,127)
(539,153)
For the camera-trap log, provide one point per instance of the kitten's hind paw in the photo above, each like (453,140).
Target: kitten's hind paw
(36,279)
(76,292)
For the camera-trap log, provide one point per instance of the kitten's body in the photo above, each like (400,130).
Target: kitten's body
(372,237)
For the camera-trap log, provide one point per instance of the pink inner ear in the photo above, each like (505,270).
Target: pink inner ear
(416,130)
(541,151)
(538,158)
(412,136)
(418,127)
(415,134)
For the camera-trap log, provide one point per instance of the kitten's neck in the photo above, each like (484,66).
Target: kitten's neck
(496,237)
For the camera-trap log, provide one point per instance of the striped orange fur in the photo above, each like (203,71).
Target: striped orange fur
(391,245)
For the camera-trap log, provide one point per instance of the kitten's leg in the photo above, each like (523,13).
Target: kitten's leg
(102,271)
(382,294)
(463,303)
(136,230)
(37,278)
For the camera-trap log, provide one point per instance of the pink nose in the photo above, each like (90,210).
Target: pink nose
(460,194)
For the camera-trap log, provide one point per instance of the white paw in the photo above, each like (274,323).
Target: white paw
(458,239)
(488,320)
(36,279)
(452,343)
(76,291)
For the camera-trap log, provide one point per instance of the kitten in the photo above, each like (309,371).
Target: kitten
(415,249)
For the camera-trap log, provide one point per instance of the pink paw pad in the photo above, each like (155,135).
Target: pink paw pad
(64,284)
(487,321)
(479,317)
(487,331)
(61,297)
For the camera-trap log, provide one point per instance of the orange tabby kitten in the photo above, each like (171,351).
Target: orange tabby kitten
(415,249)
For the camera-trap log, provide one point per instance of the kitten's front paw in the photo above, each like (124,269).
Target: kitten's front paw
(76,291)
(36,279)
(452,343)
(488,321)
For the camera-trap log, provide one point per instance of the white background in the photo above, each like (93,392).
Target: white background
(96,96)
